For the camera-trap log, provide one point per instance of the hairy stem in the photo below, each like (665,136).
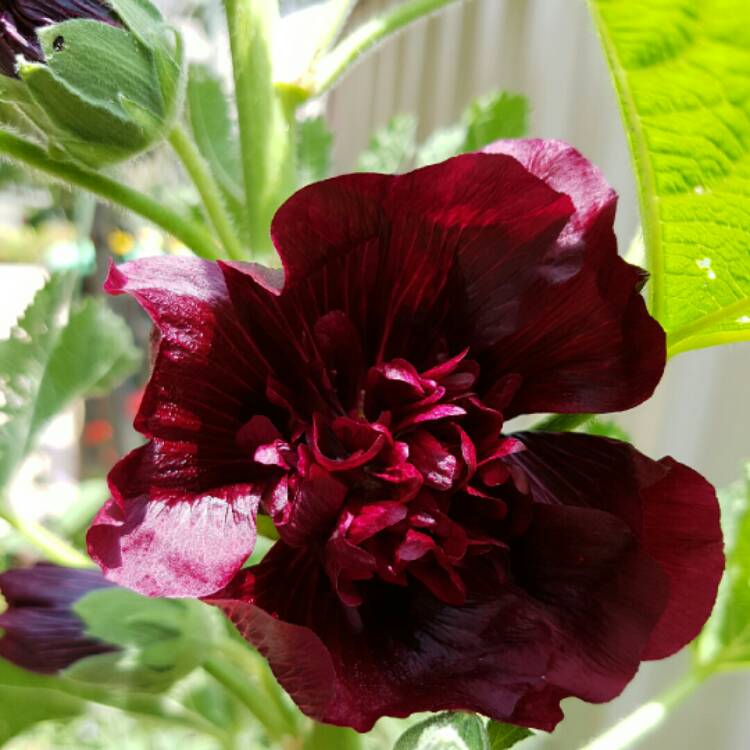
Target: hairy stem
(179,226)
(333,65)
(56,549)
(195,165)
(266,137)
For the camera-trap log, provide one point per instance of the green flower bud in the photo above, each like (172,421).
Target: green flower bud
(101,91)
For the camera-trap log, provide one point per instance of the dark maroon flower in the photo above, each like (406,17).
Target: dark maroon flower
(40,630)
(20,20)
(426,559)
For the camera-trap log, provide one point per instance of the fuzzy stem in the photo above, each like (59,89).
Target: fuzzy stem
(266,134)
(333,65)
(195,165)
(180,227)
(57,550)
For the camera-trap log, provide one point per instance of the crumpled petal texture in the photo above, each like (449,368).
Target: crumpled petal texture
(426,559)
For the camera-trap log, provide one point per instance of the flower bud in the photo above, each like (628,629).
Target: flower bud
(77,624)
(102,81)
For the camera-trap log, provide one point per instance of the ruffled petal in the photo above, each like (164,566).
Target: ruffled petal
(572,620)
(207,383)
(572,324)
(402,651)
(347,240)
(672,510)
(175,547)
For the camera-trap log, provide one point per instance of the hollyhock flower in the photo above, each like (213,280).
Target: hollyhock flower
(20,20)
(427,560)
(40,630)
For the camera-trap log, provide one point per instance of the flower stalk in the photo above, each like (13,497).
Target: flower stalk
(183,229)
(56,549)
(333,66)
(209,191)
(265,124)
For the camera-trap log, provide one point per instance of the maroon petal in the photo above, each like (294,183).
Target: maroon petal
(672,510)
(207,383)
(601,588)
(345,241)
(566,170)
(402,651)
(574,620)
(566,318)
(681,531)
(175,547)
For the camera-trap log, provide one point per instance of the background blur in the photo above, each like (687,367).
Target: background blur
(546,50)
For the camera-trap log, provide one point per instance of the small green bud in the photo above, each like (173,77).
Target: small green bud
(102,92)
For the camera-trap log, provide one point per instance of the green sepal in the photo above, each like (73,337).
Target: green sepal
(103,93)
(159,641)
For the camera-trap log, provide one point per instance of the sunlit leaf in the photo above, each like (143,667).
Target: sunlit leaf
(682,73)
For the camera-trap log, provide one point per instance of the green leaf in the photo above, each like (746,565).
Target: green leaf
(493,117)
(314,142)
(682,73)
(391,147)
(160,640)
(502,736)
(212,129)
(446,731)
(724,642)
(48,362)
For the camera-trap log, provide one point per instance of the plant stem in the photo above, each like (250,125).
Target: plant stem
(333,65)
(266,138)
(56,549)
(209,191)
(240,684)
(180,227)
(633,728)
(561,422)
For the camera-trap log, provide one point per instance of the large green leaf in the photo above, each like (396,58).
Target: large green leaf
(446,731)
(682,73)
(725,640)
(48,362)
